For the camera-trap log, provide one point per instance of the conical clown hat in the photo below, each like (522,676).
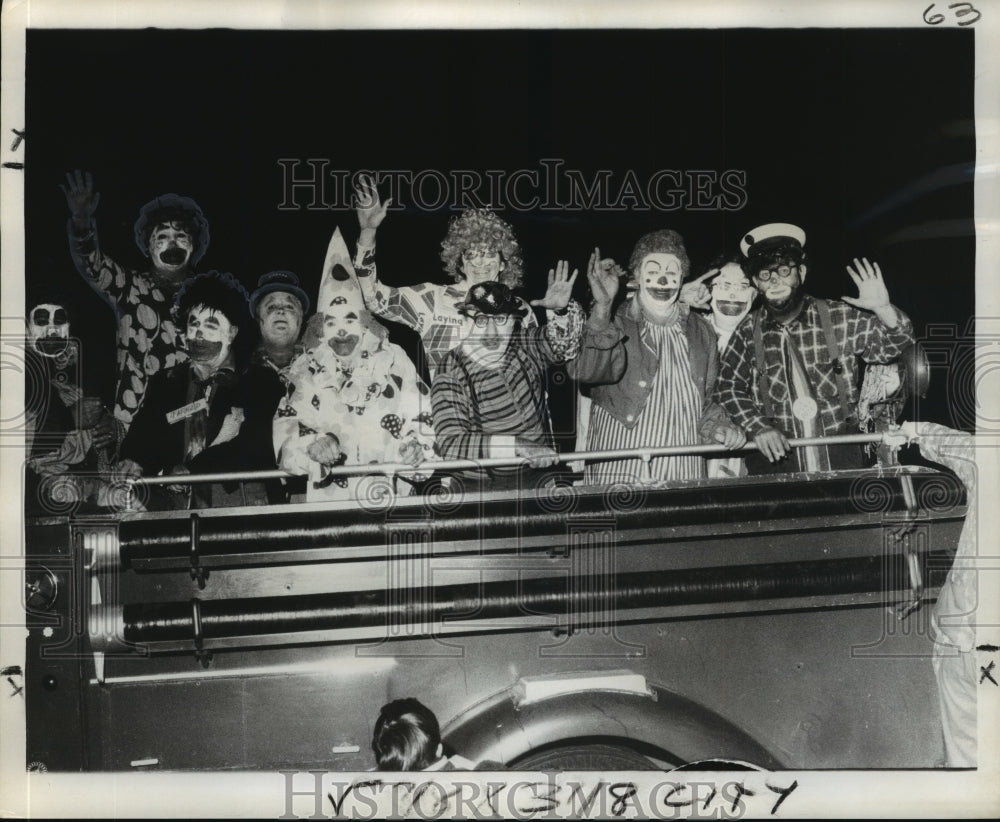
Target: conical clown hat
(339,278)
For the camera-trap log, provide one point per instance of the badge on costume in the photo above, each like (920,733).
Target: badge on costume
(805,409)
(186,411)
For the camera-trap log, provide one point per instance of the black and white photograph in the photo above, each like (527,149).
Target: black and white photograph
(596,407)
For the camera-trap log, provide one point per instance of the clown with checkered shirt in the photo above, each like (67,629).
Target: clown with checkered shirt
(790,369)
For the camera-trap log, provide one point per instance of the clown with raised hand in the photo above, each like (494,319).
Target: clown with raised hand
(489,392)
(354,398)
(652,367)
(173,233)
(790,369)
(479,247)
(730,297)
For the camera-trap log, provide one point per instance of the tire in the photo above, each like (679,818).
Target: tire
(580,756)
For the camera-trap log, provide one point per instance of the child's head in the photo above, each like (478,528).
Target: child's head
(407,736)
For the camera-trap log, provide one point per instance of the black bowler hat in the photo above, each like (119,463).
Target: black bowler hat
(285,281)
(491,298)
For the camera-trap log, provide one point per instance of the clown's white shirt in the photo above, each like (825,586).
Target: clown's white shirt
(373,409)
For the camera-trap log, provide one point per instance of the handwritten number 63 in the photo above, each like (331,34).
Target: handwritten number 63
(961,10)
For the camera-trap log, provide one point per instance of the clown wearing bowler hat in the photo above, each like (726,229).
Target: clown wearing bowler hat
(790,369)
(489,393)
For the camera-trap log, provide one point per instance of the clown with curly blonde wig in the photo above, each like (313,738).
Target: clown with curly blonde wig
(478,247)
(475,236)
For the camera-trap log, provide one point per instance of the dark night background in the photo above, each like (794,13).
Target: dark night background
(866,138)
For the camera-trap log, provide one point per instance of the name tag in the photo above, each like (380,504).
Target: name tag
(186,411)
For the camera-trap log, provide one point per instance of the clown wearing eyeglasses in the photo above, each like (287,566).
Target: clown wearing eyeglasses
(479,247)
(790,367)
(489,395)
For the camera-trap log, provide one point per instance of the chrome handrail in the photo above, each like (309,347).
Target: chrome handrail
(393,468)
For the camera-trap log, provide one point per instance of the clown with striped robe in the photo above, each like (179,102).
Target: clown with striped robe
(651,370)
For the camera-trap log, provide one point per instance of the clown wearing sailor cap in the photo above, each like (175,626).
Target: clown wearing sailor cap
(790,368)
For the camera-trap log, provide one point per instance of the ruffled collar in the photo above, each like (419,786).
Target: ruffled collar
(357,383)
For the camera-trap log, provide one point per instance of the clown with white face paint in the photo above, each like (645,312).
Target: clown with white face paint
(652,368)
(62,423)
(354,397)
(342,331)
(48,330)
(173,233)
(732,295)
(193,413)
(71,439)
(659,281)
(209,335)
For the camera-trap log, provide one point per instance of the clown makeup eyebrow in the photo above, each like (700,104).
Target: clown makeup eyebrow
(40,316)
(162,228)
(350,315)
(211,320)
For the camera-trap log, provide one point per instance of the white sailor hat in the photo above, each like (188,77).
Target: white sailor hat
(773,235)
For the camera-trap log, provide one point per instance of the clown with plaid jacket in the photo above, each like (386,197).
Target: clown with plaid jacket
(790,369)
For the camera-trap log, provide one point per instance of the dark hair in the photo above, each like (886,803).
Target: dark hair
(218,290)
(733,258)
(406,736)
(172,208)
(664,241)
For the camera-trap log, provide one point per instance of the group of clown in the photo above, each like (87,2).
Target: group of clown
(214,378)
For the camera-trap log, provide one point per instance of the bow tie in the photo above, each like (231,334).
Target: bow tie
(224,378)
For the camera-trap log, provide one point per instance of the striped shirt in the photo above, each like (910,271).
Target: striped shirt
(670,417)
(471,403)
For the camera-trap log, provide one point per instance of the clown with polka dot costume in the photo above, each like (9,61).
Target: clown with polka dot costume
(354,398)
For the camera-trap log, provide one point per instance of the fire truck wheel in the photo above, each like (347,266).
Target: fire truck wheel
(577,756)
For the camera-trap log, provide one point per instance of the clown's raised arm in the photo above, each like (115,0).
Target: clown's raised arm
(173,233)
(478,247)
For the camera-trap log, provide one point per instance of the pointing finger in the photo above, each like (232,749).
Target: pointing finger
(710,273)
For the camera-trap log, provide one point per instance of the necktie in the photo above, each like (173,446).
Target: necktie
(804,407)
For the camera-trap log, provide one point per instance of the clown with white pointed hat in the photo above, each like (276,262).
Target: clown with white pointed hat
(354,397)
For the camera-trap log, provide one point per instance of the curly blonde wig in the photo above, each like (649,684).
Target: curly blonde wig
(481,227)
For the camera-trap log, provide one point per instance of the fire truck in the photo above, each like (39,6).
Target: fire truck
(780,621)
